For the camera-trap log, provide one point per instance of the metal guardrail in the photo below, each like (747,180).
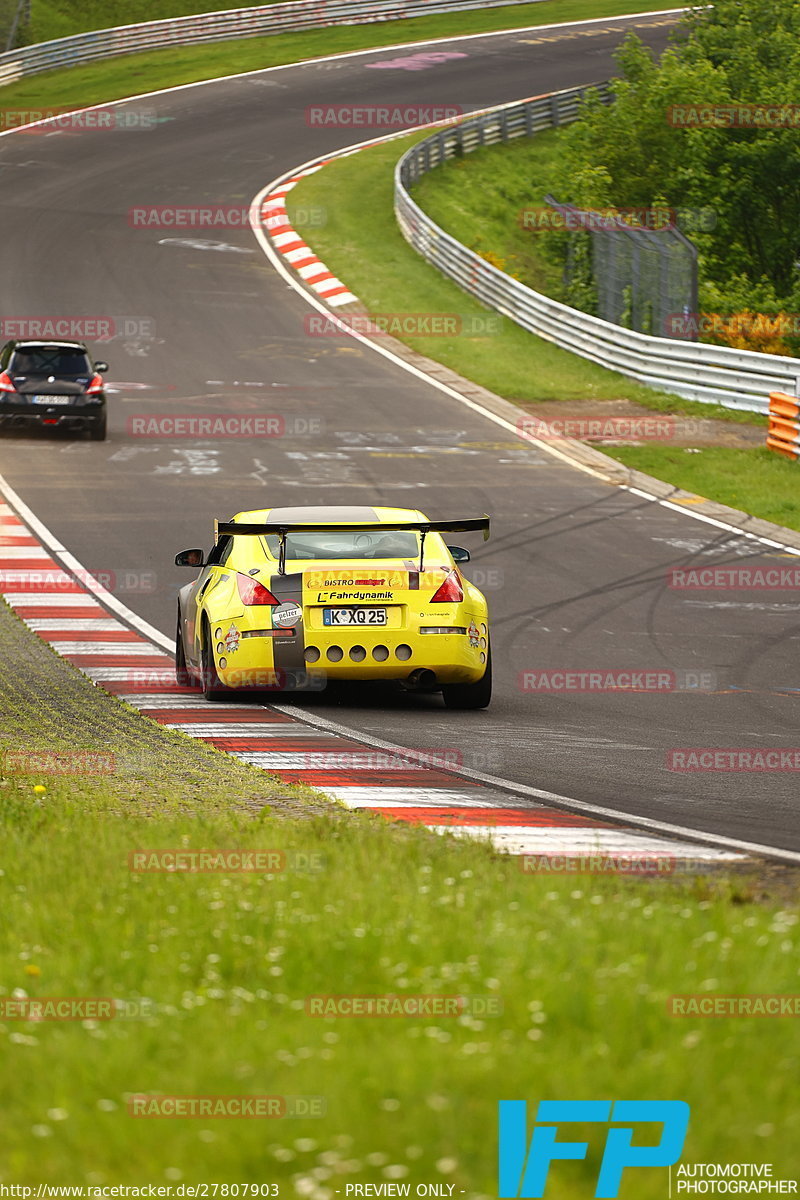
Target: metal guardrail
(713,374)
(291,17)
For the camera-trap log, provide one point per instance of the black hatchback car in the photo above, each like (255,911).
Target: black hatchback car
(52,384)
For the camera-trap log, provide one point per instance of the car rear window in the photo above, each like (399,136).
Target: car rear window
(49,361)
(343,544)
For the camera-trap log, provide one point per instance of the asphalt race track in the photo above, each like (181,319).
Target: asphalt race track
(576,571)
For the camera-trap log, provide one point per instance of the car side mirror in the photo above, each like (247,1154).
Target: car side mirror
(190,558)
(101,367)
(459,554)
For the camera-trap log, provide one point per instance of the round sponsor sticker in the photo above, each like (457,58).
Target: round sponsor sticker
(287,615)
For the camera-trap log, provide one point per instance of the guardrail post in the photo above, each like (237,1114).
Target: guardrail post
(441,147)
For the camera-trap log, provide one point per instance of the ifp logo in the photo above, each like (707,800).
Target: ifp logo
(523,1169)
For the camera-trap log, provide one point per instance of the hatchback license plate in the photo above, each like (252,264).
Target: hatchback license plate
(52,399)
(354,616)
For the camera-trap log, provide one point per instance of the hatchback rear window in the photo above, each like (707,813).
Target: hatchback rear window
(54,361)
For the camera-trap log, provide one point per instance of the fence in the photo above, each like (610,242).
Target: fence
(291,17)
(641,276)
(713,374)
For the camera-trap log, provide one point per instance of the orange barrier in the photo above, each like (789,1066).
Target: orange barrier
(783,435)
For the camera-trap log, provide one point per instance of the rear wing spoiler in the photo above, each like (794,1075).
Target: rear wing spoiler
(284,528)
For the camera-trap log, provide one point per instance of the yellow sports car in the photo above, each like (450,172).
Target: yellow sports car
(290,598)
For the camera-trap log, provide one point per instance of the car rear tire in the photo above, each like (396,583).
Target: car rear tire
(470,695)
(213,689)
(97,430)
(182,676)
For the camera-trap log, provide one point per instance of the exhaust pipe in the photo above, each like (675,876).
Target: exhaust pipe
(423,677)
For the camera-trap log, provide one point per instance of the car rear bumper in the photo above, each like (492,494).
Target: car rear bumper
(74,416)
(422,660)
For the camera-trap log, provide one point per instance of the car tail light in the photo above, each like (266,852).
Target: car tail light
(450,592)
(5,383)
(95,385)
(253,592)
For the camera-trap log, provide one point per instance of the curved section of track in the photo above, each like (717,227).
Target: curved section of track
(577,570)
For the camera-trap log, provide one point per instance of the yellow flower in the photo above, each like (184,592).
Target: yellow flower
(32,969)
(39,788)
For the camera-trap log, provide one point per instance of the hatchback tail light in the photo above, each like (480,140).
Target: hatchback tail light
(6,384)
(95,385)
(253,592)
(450,592)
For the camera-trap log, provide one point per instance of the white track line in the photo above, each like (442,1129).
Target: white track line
(554,798)
(72,565)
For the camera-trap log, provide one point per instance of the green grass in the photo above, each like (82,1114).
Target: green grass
(136,73)
(60,18)
(48,707)
(220,966)
(756,481)
(478,199)
(211,973)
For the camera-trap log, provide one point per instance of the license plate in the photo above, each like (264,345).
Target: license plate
(354,616)
(52,399)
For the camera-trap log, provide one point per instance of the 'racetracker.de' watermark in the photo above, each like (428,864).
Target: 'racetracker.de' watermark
(75,328)
(653,218)
(59,118)
(403,324)
(692,325)
(733,116)
(738,758)
(742,578)
(705,1004)
(183,860)
(599,679)
(241,1107)
(379,116)
(222,425)
(616,429)
(598,864)
(19,581)
(57,1008)
(404,1005)
(155,679)
(189,216)
(62,762)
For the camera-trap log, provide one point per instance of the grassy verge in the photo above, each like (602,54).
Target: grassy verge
(135,73)
(209,975)
(756,481)
(479,199)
